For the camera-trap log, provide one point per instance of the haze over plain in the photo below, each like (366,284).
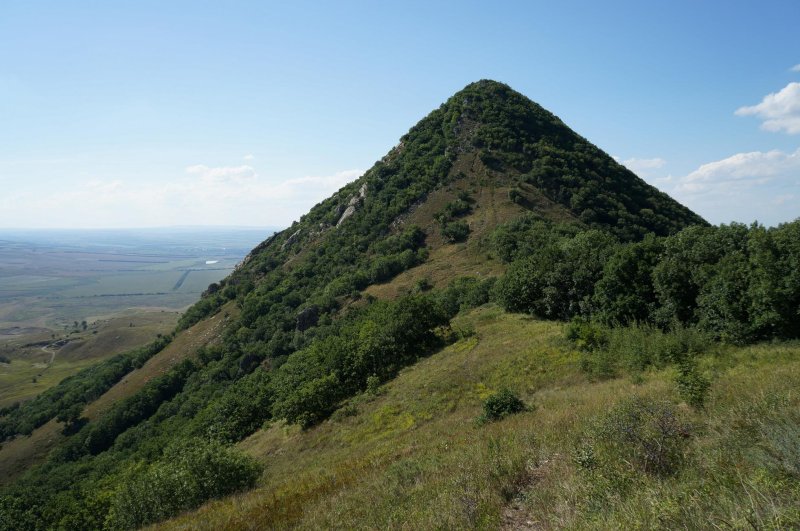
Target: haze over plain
(251,112)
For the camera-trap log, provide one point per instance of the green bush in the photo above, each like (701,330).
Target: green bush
(500,405)
(188,475)
(455,231)
(692,386)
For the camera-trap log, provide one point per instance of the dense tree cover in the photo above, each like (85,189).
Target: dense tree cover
(74,392)
(513,132)
(557,280)
(385,338)
(738,282)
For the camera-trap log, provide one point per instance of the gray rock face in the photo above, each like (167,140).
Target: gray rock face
(349,211)
(291,239)
(353,204)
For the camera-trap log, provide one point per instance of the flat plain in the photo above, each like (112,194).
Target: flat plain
(69,298)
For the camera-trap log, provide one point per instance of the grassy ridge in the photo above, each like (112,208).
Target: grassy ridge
(282,356)
(412,457)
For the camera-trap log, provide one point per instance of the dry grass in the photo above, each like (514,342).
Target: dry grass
(492,207)
(31,371)
(414,458)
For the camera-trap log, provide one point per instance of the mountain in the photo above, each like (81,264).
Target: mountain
(338,337)
(486,140)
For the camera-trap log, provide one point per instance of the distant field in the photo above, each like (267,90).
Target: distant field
(128,285)
(50,279)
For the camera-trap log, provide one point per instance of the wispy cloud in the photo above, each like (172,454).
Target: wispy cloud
(779,111)
(249,156)
(795,68)
(744,187)
(643,165)
(203,195)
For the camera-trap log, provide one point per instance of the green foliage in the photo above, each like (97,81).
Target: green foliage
(372,345)
(373,385)
(465,292)
(624,293)
(634,347)
(523,236)
(455,231)
(587,336)
(515,133)
(501,404)
(189,474)
(75,391)
(735,282)
(692,386)
(99,436)
(239,411)
(557,281)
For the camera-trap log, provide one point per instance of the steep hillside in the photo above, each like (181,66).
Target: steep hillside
(294,333)
(411,454)
(23,452)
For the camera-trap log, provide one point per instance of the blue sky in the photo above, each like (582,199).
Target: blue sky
(132,114)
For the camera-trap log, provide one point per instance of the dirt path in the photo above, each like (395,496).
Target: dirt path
(515,517)
(52,354)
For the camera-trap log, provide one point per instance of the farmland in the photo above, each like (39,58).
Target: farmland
(69,298)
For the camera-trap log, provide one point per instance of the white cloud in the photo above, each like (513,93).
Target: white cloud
(780,111)
(204,195)
(249,156)
(744,187)
(643,166)
(232,174)
(795,68)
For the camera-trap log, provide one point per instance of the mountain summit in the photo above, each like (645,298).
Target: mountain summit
(488,135)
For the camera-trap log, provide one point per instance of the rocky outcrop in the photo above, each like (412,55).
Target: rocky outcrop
(353,204)
(257,249)
(291,239)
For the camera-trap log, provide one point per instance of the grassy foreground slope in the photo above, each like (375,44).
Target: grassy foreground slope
(412,456)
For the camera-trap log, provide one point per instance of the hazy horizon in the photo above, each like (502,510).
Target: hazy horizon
(248,114)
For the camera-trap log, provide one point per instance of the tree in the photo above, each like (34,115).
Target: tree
(625,292)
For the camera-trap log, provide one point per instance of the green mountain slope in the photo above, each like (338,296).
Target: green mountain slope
(410,455)
(306,335)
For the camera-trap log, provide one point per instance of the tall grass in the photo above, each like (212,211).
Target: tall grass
(590,453)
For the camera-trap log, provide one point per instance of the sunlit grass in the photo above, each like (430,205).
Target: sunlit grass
(412,456)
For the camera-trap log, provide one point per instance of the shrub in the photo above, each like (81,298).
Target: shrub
(465,292)
(455,231)
(587,336)
(189,474)
(373,385)
(692,386)
(643,434)
(501,404)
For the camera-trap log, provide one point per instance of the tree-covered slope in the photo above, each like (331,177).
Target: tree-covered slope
(305,336)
